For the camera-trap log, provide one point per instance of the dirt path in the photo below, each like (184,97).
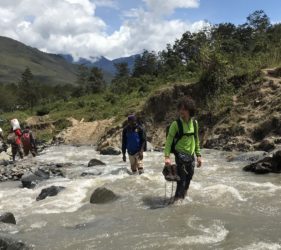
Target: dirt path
(84,133)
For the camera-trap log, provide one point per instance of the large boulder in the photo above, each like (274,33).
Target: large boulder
(266,165)
(95,162)
(8,218)
(110,151)
(11,244)
(50,191)
(102,196)
(30,179)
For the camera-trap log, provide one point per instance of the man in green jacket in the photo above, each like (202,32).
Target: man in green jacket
(185,147)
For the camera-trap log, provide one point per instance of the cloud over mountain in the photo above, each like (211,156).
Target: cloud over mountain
(72,26)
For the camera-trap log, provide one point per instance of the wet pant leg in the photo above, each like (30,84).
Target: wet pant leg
(185,172)
(136,163)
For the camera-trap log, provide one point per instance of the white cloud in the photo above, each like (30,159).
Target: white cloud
(71,26)
(106,3)
(168,6)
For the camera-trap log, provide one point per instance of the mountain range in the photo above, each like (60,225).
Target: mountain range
(15,57)
(48,68)
(102,62)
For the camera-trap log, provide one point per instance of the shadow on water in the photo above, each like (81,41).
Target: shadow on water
(156,202)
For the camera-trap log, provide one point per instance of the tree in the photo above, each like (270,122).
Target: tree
(259,21)
(146,64)
(28,89)
(169,60)
(82,75)
(95,80)
(7,99)
(122,70)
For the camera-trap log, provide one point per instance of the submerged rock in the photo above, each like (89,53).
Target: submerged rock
(50,191)
(11,244)
(95,162)
(110,151)
(8,218)
(93,172)
(63,165)
(102,196)
(120,171)
(266,165)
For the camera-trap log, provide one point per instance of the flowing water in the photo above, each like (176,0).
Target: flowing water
(226,208)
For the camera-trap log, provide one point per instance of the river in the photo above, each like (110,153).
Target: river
(226,208)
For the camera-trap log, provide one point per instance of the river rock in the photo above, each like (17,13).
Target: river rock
(248,156)
(93,172)
(120,171)
(102,196)
(266,145)
(4,162)
(50,191)
(266,165)
(95,162)
(110,151)
(8,218)
(12,172)
(11,244)
(30,179)
(63,165)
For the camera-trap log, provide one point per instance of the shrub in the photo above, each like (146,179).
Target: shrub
(42,111)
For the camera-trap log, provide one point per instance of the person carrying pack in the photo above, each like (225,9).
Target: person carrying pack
(134,141)
(183,141)
(28,142)
(14,138)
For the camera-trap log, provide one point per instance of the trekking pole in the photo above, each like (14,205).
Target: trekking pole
(172,192)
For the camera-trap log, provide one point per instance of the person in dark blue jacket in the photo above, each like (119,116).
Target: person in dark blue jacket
(134,142)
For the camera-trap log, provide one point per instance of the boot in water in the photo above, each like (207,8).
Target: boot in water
(141,171)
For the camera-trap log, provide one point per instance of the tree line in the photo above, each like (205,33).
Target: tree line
(212,56)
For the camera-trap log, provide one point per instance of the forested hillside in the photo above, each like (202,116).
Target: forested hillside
(221,62)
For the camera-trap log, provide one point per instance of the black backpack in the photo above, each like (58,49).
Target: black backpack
(180,133)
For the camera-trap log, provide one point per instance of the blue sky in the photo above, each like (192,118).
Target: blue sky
(214,11)
(117,28)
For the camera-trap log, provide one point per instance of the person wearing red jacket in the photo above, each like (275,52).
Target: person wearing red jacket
(14,138)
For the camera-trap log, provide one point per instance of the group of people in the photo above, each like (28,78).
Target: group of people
(182,140)
(22,141)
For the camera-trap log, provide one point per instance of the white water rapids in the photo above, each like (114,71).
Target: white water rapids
(226,208)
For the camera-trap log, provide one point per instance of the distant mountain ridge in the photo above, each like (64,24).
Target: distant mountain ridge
(46,68)
(102,62)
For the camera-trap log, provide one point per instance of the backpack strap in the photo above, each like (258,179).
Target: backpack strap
(180,128)
(180,132)
(195,126)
